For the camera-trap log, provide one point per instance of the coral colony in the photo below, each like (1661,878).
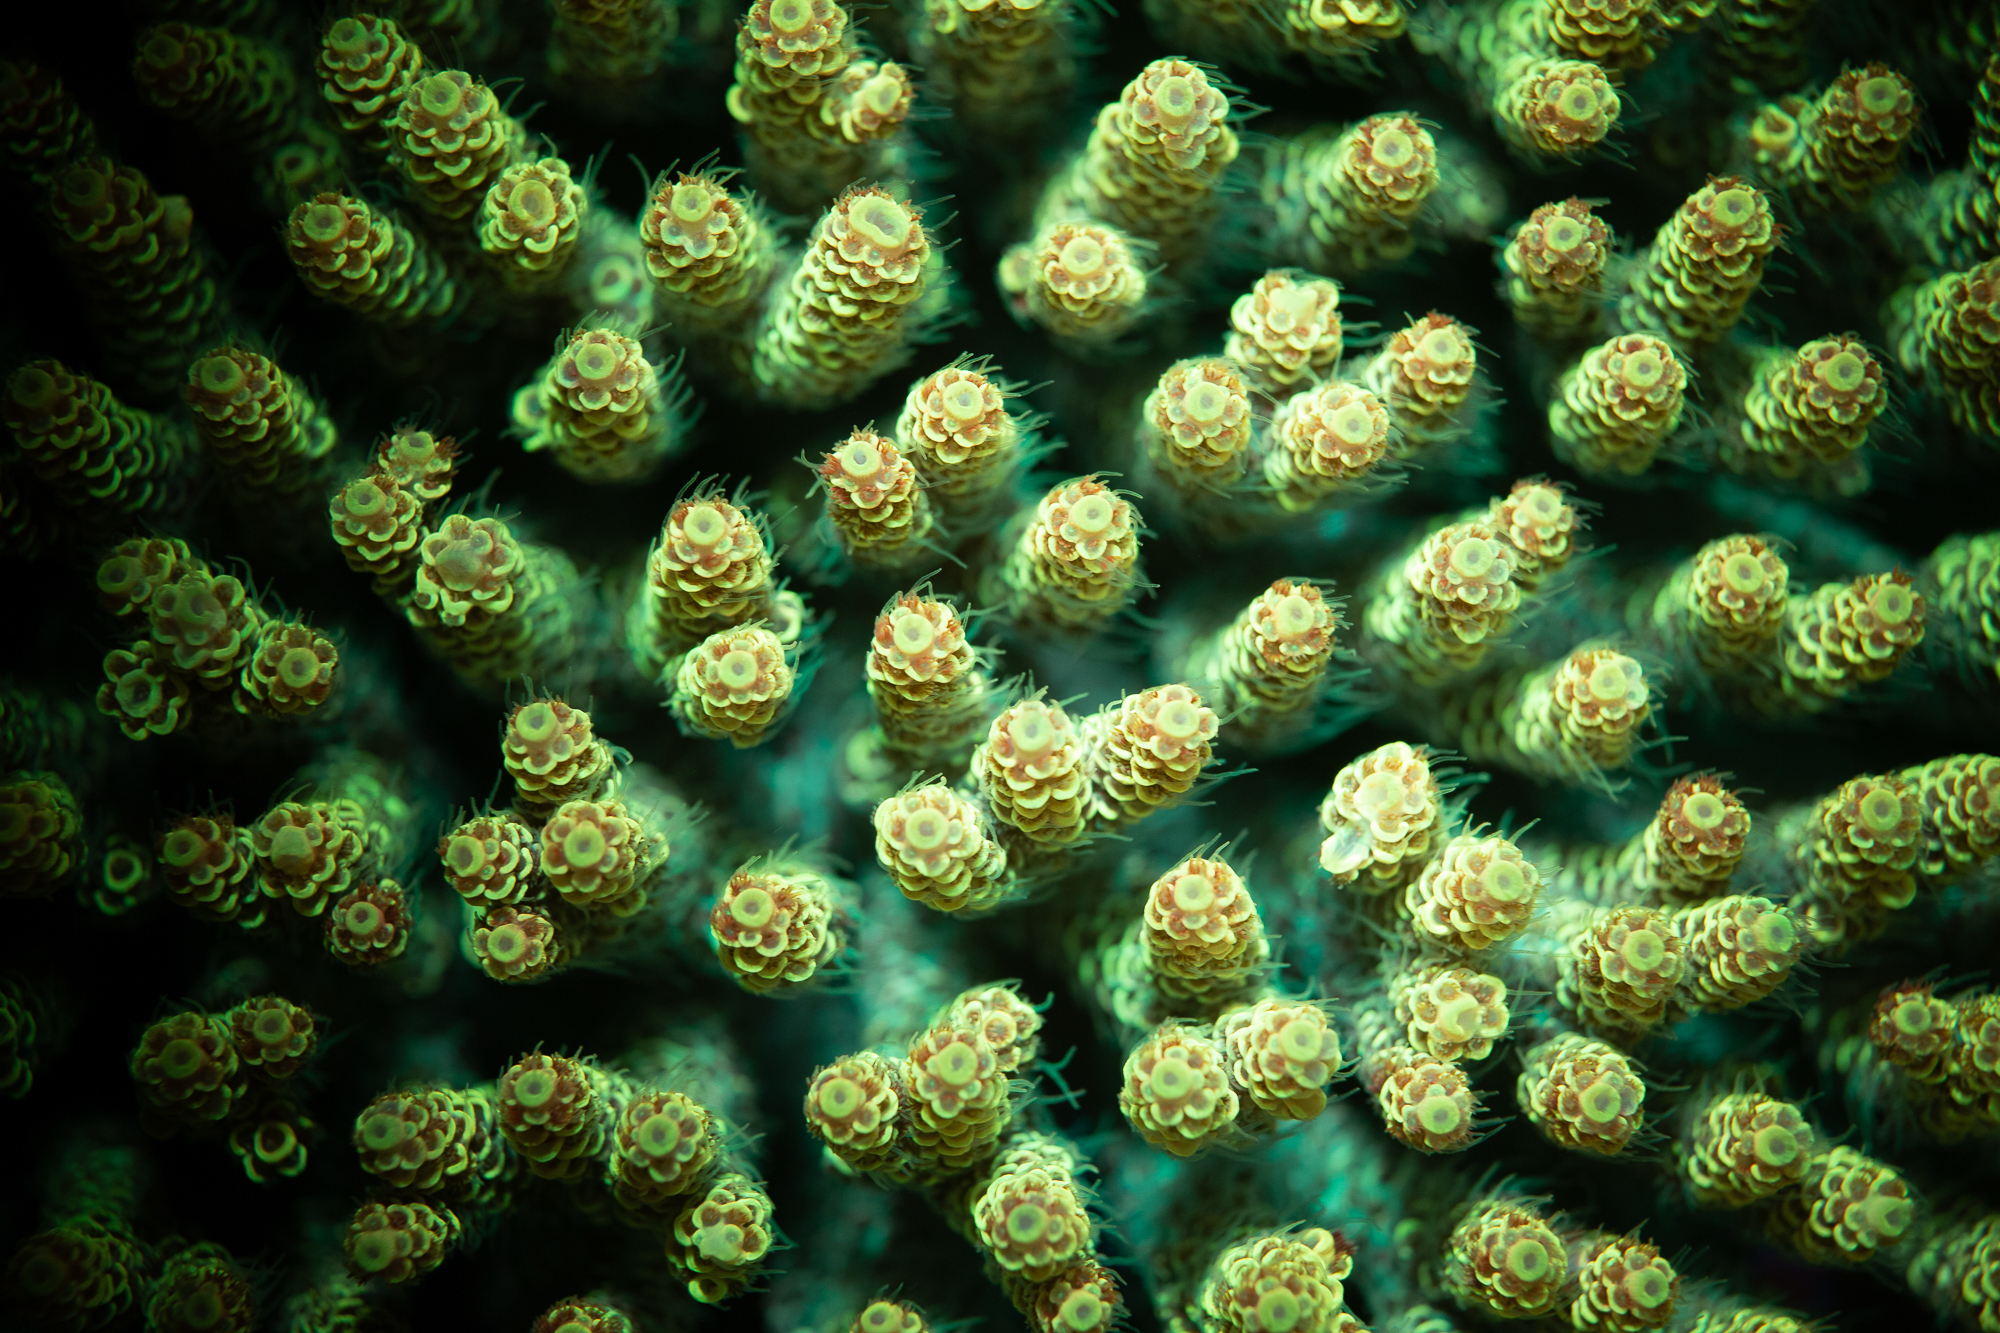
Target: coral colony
(1293,666)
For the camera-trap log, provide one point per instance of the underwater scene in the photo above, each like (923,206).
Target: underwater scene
(1226,666)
